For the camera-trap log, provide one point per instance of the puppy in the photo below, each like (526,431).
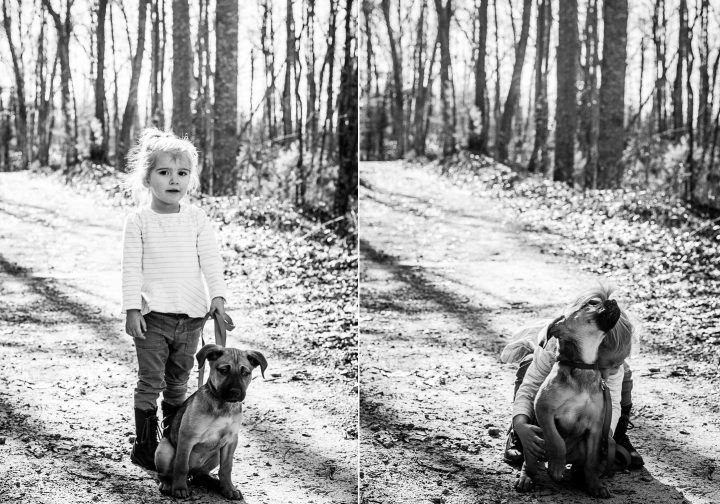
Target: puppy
(204,432)
(572,408)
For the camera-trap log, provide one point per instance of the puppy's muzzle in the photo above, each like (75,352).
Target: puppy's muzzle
(235,395)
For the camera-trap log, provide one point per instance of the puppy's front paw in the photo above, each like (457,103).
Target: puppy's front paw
(600,491)
(180,492)
(231,492)
(556,470)
(524,483)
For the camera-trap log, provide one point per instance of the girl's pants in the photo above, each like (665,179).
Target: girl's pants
(627,384)
(165,358)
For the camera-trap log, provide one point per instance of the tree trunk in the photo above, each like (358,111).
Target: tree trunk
(330,61)
(289,69)
(312,113)
(346,186)
(690,164)
(589,116)
(44,97)
(397,74)
(444,14)
(131,106)
(540,159)
(568,53)
(203,128)
(182,70)
(677,95)
(99,147)
(421,93)
(225,108)
(64,30)
(116,105)
(659,34)
(269,57)
(497,111)
(704,108)
(477,140)
(20,106)
(157,112)
(514,91)
(612,94)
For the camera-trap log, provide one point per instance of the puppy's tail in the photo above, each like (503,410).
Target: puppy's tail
(516,351)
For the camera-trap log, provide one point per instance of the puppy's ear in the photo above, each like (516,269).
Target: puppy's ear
(257,359)
(209,352)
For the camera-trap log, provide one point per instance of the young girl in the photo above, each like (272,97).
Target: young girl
(536,365)
(168,247)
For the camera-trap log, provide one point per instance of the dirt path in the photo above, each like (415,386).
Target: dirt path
(67,372)
(445,278)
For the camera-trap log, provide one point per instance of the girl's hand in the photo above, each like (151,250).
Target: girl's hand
(135,324)
(530,436)
(218,305)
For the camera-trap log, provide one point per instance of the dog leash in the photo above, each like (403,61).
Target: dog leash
(607,400)
(221,328)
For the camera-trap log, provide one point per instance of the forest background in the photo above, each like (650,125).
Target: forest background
(593,94)
(266,90)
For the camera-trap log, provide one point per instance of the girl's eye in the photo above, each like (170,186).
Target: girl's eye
(162,172)
(183,173)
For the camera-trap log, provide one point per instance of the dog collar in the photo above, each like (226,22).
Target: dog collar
(580,365)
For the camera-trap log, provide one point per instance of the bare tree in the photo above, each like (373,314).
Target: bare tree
(397,74)
(540,158)
(225,146)
(131,106)
(444,14)
(659,39)
(677,94)
(289,69)
(20,106)
(99,150)
(64,33)
(505,130)
(182,69)
(611,134)
(589,116)
(347,120)
(568,53)
(477,140)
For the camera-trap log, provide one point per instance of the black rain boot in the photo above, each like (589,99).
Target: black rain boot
(169,411)
(620,436)
(143,450)
(513,450)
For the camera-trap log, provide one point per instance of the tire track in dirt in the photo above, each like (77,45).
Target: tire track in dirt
(445,278)
(68,371)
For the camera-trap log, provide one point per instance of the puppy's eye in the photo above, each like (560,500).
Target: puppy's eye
(223,371)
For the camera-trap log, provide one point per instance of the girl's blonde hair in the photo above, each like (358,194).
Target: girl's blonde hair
(618,341)
(141,159)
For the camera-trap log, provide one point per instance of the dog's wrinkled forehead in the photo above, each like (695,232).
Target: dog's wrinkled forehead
(236,358)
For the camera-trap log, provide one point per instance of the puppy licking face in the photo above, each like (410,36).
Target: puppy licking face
(230,370)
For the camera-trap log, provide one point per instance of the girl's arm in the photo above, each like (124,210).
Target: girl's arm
(614,381)
(542,363)
(210,261)
(132,265)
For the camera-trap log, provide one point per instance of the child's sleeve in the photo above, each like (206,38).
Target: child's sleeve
(614,382)
(210,261)
(539,368)
(132,264)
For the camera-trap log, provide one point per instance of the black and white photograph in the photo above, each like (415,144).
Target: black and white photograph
(178,251)
(539,267)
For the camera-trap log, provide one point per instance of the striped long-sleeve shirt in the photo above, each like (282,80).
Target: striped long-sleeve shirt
(165,257)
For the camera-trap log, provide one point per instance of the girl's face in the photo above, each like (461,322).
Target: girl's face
(168,182)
